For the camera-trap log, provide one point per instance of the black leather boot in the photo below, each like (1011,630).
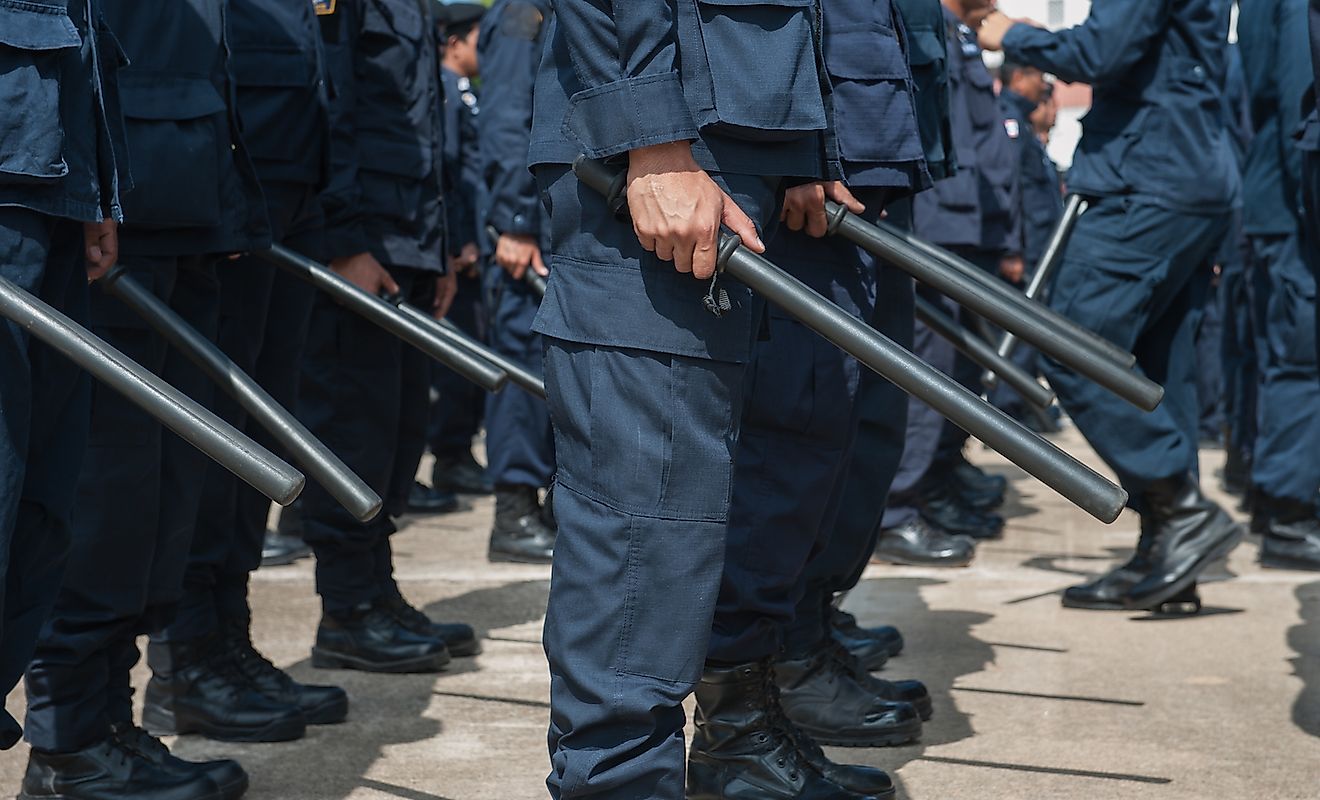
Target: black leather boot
(320,705)
(520,534)
(942,508)
(845,627)
(196,687)
(1109,591)
(370,639)
(226,773)
(423,499)
(460,473)
(110,771)
(909,691)
(823,697)
(458,637)
(920,544)
(743,748)
(968,477)
(1291,534)
(1188,531)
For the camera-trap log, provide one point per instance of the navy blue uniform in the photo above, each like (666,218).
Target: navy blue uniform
(1042,198)
(364,393)
(61,157)
(644,383)
(1156,161)
(195,195)
(1310,144)
(799,414)
(264,312)
(459,407)
(519,444)
(1272,38)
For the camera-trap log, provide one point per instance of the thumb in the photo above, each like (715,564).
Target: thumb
(736,220)
(538,264)
(387,281)
(840,194)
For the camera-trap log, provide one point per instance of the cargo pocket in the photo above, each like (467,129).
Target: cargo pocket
(1291,320)
(279,107)
(174,142)
(1105,286)
(34,37)
(391,175)
(874,113)
(765,84)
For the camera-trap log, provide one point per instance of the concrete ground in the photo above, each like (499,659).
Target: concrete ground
(1032,701)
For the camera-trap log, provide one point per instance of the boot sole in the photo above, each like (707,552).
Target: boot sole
(1289,563)
(1167,593)
(464,650)
(893,738)
(324,659)
(504,558)
(1099,605)
(331,712)
(284,561)
(910,562)
(162,722)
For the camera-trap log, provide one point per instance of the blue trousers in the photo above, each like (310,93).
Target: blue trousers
(1238,346)
(798,422)
(136,508)
(1287,451)
(645,441)
(1210,367)
(44,407)
(264,314)
(459,405)
(1137,274)
(520,447)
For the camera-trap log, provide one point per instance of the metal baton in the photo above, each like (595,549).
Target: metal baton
(534,282)
(1073,208)
(380,313)
(219,440)
(306,450)
(1002,306)
(980,351)
(518,374)
(1055,468)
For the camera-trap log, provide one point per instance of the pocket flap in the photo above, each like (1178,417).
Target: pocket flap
(168,97)
(271,66)
(787,3)
(393,158)
(860,56)
(37,26)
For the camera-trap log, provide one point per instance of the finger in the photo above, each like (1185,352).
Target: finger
(704,258)
(387,282)
(795,217)
(517,271)
(817,223)
(538,264)
(736,220)
(664,249)
(840,194)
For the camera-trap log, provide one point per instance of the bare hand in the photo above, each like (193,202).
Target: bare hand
(804,206)
(446,288)
(1012,268)
(677,209)
(515,252)
(366,273)
(992,30)
(100,247)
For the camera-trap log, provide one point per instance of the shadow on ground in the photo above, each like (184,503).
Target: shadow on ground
(1304,639)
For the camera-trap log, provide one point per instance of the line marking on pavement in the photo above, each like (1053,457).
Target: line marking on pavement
(511,639)
(1035,648)
(1076,698)
(399,791)
(1079,773)
(491,699)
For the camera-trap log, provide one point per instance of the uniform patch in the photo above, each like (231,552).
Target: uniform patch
(324,8)
(1011,126)
(521,21)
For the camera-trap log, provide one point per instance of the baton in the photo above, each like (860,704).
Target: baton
(382,314)
(310,453)
(534,282)
(1055,468)
(220,441)
(1001,305)
(443,328)
(1073,209)
(980,351)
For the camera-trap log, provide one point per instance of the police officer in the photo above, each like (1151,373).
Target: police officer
(711,106)
(457,413)
(364,393)
(1285,471)
(195,196)
(974,213)
(62,167)
(1157,165)
(519,444)
(282,103)
(798,422)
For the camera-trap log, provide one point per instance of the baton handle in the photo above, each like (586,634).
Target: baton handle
(1065,474)
(220,441)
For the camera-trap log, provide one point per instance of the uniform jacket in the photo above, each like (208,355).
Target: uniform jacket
(462,161)
(1042,200)
(384,193)
(1311,132)
(740,79)
(283,102)
(194,188)
(874,114)
(923,20)
(979,205)
(62,147)
(1156,126)
(509,49)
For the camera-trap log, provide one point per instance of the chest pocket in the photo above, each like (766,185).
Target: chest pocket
(34,37)
(763,79)
(279,102)
(175,137)
(873,105)
(980,89)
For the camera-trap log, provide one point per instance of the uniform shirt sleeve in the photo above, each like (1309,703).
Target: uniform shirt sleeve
(508,76)
(1111,41)
(625,54)
(342,197)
